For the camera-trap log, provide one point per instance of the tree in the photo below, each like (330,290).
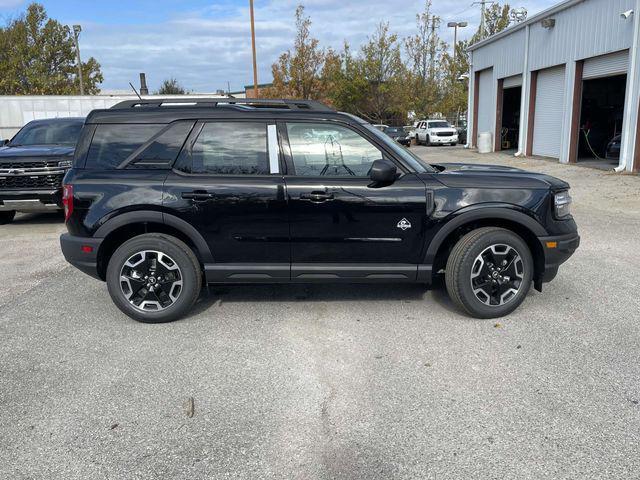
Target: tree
(424,51)
(496,18)
(37,57)
(296,74)
(381,66)
(171,87)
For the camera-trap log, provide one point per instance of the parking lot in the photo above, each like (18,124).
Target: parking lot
(329,381)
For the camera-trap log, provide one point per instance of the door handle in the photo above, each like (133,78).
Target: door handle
(197,195)
(317,197)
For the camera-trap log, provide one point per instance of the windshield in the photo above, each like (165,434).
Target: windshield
(394,131)
(439,125)
(416,162)
(48,133)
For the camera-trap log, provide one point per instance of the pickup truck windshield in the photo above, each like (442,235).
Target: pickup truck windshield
(48,133)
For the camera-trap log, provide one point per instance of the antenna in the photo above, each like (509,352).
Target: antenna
(518,14)
(134,90)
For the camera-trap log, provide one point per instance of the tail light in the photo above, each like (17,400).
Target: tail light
(67,201)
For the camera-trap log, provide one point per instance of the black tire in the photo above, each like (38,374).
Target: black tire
(417,139)
(189,270)
(465,257)
(427,141)
(7,217)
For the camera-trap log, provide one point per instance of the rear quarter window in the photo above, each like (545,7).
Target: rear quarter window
(114,143)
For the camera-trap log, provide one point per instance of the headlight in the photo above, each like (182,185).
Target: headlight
(562,202)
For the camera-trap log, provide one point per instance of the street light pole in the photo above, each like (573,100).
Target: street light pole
(253,48)
(455,26)
(76,33)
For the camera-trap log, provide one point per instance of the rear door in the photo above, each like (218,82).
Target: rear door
(227,184)
(342,225)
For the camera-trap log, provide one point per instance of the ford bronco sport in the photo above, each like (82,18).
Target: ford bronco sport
(167,194)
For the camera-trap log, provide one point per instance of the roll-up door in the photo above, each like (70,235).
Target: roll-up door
(606,65)
(515,81)
(486,107)
(547,129)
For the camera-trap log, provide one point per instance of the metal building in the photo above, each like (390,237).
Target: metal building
(563,84)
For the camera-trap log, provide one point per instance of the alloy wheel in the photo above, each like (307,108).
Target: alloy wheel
(497,275)
(151,280)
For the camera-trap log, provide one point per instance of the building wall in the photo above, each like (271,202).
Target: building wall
(583,29)
(16,111)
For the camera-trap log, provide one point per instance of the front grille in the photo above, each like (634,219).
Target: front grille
(445,134)
(29,164)
(35,182)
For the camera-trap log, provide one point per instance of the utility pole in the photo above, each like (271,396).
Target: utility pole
(253,48)
(76,33)
(482,4)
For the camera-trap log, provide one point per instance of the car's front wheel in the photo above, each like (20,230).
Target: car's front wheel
(427,141)
(7,217)
(154,278)
(489,272)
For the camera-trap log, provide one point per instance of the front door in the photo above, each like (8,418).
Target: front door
(227,185)
(343,226)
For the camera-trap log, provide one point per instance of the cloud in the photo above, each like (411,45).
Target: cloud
(206,48)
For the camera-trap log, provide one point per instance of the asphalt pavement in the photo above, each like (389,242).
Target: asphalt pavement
(329,381)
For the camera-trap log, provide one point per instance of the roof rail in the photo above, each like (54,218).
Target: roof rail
(218,101)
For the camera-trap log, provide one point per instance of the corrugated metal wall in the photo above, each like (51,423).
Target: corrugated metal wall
(16,111)
(504,55)
(590,28)
(486,102)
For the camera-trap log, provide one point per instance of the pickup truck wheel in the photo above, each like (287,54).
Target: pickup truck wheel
(427,141)
(489,272)
(154,278)
(7,217)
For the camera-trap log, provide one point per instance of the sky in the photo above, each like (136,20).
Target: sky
(206,44)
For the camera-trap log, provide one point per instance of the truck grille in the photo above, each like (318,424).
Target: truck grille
(445,134)
(35,182)
(30,164)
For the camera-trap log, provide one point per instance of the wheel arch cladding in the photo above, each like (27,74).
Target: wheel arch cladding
(519,223)
(126,226)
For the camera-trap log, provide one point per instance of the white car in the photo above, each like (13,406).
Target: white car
(436,132)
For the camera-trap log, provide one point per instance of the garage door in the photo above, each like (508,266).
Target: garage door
(547,127)
(486,108)
(515,81)
(606,65)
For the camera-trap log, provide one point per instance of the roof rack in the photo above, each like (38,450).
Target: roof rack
(218,101)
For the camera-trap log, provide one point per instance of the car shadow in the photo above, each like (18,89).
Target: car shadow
(39,218)
(239,293)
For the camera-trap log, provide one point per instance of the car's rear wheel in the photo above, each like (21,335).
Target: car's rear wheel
(154,278)
(7,217)
(489,272)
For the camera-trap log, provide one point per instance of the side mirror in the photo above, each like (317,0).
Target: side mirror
(383,171)
(4,142)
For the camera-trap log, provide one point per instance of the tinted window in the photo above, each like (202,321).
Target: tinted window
(394,131)
(231,148)
(48,133)
(439,125)
(331,150)
(164,149)
(112,144)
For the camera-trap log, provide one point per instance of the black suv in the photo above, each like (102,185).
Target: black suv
(164,195)
(33,163)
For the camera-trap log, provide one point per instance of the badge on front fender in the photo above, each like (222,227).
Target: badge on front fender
(404,224)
